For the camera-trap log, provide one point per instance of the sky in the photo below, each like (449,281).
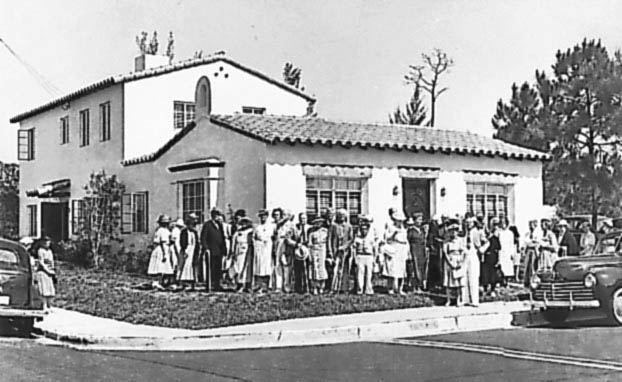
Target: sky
(353,54)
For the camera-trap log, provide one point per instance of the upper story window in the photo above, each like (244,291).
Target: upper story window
(183,113)
(85,128)
(64,130)
(26,144)
(253,110)
(104,122)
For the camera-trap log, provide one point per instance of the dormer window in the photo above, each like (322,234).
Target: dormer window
(183,113)
(253,110)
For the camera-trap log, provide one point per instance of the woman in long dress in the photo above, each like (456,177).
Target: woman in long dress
(318,245)
(396,253)
(45,275)
(241,255)
(160,264)
(262,245)
(507,252)
(189,249)
(454,270)
(418,253)
(473,264)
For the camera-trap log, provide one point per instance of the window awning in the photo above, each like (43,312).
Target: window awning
(489,176)
(418,172)
(192,165)
(56,188)
(344,171)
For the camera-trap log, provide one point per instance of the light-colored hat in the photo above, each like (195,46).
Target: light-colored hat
(563,222)
(26,241)
(179,222)
(318,220)
(399,215)
(608,223)
(193,217)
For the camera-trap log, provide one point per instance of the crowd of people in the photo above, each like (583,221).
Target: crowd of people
(282,252)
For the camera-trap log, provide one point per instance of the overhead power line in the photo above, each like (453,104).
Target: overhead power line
(48,86)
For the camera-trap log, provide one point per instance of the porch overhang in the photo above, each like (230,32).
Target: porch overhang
(195,164)
(53,189)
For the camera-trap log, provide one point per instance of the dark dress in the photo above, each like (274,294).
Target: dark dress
(213,240)
(416,239)
(491,258)
(435,243)
(569,241)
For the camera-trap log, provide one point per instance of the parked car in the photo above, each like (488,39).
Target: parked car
(20,304)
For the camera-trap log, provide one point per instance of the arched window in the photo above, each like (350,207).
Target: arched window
(203,97)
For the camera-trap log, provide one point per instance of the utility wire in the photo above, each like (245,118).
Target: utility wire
(48,86)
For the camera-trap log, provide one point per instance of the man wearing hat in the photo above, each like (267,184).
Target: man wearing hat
(262,245)
(214,245)
(340,239)
(567,242)
(548,246)
(532,241)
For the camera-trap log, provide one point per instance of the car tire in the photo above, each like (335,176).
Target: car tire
(614,307)
(555,317)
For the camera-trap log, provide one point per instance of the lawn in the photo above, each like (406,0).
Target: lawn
(114,295)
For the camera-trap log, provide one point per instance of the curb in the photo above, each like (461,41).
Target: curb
(411,327)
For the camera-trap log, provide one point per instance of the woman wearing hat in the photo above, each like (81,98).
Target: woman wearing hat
(176,228)
(454,271)
(491,259)
(241,255)
(318,245)
(396,252)
(189,250)
(160,262)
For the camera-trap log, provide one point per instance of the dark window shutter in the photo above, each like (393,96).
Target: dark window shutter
(146,217)
(126,213)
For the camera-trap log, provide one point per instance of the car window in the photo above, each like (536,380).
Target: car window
(7,256)
(607,246)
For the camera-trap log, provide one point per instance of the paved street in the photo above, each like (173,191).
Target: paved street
(586,353)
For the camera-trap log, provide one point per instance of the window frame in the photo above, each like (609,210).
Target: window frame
(85,127)
(256,110)
(64,130)
(131,222)
(321,191)
(201,200)
(77,216)
(188,114)
(104,122)
(502,202)
(26,144)
(33,217)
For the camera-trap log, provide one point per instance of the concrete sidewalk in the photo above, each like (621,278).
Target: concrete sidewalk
(90,332)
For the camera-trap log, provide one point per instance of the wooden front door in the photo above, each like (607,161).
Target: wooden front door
(54,221)
(416,196)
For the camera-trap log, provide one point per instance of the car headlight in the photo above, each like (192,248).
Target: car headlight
(589,280)
(535,282)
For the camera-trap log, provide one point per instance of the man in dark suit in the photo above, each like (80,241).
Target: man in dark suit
(566,240)
(215,246)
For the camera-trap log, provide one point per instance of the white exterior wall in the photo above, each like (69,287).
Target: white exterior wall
(148,117)
(454,186)
(380,194)
(285,187)
(528,199)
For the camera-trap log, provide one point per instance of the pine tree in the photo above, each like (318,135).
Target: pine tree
(414,111)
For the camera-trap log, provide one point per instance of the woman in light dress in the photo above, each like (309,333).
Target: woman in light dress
(396,250)
(241,255)
(189,249)
(262,245)
(473,264)
(507,252)
(318,238)
(454,270)
(176,228)
(160,264)
(45,275)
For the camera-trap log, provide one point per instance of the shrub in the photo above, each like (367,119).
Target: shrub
(76,252)
(127,259)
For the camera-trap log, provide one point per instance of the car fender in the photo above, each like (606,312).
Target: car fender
(608,280)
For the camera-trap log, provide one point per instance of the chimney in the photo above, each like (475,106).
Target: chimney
(150,61)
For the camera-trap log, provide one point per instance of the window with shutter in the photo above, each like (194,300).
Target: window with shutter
(26,144)
(126,213)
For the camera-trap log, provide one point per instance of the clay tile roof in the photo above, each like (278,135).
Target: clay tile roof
(134,76)
(312,130)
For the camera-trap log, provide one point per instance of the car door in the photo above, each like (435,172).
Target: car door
(15,278)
